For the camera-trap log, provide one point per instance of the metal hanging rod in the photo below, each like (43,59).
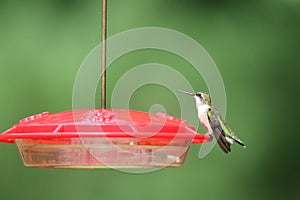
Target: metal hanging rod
(103,56)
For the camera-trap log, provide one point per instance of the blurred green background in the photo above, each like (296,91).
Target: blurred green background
(255,45)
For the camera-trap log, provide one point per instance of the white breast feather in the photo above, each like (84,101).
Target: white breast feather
(202,115)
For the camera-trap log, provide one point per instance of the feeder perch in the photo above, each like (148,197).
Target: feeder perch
(102,138)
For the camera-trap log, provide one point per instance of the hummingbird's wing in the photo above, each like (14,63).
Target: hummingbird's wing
(224,135)
(217,128)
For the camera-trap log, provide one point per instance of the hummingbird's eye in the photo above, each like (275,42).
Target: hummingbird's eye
(199,95)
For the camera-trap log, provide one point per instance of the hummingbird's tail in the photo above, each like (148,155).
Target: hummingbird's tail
(237,140)
(225,141)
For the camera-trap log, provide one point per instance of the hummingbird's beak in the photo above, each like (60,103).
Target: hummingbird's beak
(184,92)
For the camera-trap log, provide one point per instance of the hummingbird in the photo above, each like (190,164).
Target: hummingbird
(211,119)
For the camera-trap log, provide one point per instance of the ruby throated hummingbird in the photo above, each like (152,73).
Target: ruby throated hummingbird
(212,121)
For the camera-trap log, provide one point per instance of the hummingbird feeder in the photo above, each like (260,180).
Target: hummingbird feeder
(103,138)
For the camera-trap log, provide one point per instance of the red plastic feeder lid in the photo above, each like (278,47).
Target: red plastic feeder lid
(110,123)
